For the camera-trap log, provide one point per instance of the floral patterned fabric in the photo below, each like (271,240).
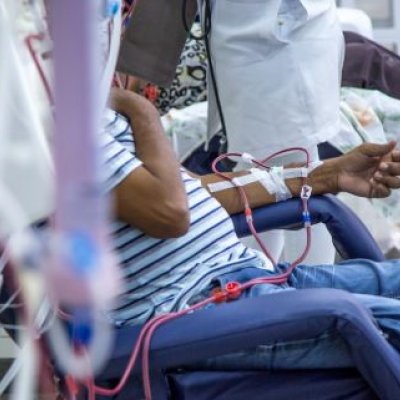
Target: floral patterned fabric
(370,116)
(190,83)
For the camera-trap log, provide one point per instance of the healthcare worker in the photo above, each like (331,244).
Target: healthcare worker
(278,68)
(278,65)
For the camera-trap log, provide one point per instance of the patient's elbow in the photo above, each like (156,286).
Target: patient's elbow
(175,221)
(159,216)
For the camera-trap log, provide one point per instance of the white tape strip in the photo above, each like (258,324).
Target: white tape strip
(273,180)
(255,175)
(237,181)
(282,191)
(290,173)
(265,179)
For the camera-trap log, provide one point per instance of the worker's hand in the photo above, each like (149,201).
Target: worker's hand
(370,170)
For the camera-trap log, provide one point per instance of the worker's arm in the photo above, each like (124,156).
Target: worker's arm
(152,197)
(370,170)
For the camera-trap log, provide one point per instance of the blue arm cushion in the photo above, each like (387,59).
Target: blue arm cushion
(350,236)
(250,322)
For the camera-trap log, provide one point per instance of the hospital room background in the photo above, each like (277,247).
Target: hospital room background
(27,159)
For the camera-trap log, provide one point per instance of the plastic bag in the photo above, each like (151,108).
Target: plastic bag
(26,170)
(187,128)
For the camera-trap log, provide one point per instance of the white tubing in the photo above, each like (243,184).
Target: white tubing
(6,306)
(25,362)
(25,385)
(112,59)
(11,373)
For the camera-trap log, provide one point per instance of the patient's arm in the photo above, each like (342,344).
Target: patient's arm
(322,180)
(152,198)
(370,170)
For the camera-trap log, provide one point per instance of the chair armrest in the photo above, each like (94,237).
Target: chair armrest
(245,324)
(350,236)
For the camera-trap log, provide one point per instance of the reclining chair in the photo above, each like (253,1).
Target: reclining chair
(247,323)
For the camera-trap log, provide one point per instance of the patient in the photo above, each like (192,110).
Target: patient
(176,242)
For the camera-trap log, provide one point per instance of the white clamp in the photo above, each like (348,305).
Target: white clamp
(247,158)
(306,192)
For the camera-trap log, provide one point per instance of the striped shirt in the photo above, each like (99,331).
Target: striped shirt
(161,275)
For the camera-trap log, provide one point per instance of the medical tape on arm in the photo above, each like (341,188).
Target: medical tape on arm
(279,175)
(273,181)
(282,192)
(255,175)
(235,182)
(264,178)
(302,172)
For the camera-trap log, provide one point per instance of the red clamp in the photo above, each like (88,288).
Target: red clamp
(249,214)
(220,296)
(233,290)
(151,93)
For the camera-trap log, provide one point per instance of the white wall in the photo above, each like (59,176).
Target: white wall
(385,31)
(391,35)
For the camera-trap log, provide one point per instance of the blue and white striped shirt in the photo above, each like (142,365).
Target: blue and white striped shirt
(161,275)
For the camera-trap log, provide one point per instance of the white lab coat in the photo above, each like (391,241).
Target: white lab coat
(278,66)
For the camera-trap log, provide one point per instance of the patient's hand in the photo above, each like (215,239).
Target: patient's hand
(370,170)
(125,101)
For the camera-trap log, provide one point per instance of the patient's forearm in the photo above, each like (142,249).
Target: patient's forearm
(151,198)
(322,180)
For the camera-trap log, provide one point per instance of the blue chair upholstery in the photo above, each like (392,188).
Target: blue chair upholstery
(335,384)
(244,324)
(293,315)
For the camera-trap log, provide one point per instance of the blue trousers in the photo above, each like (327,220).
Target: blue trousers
(376,286)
